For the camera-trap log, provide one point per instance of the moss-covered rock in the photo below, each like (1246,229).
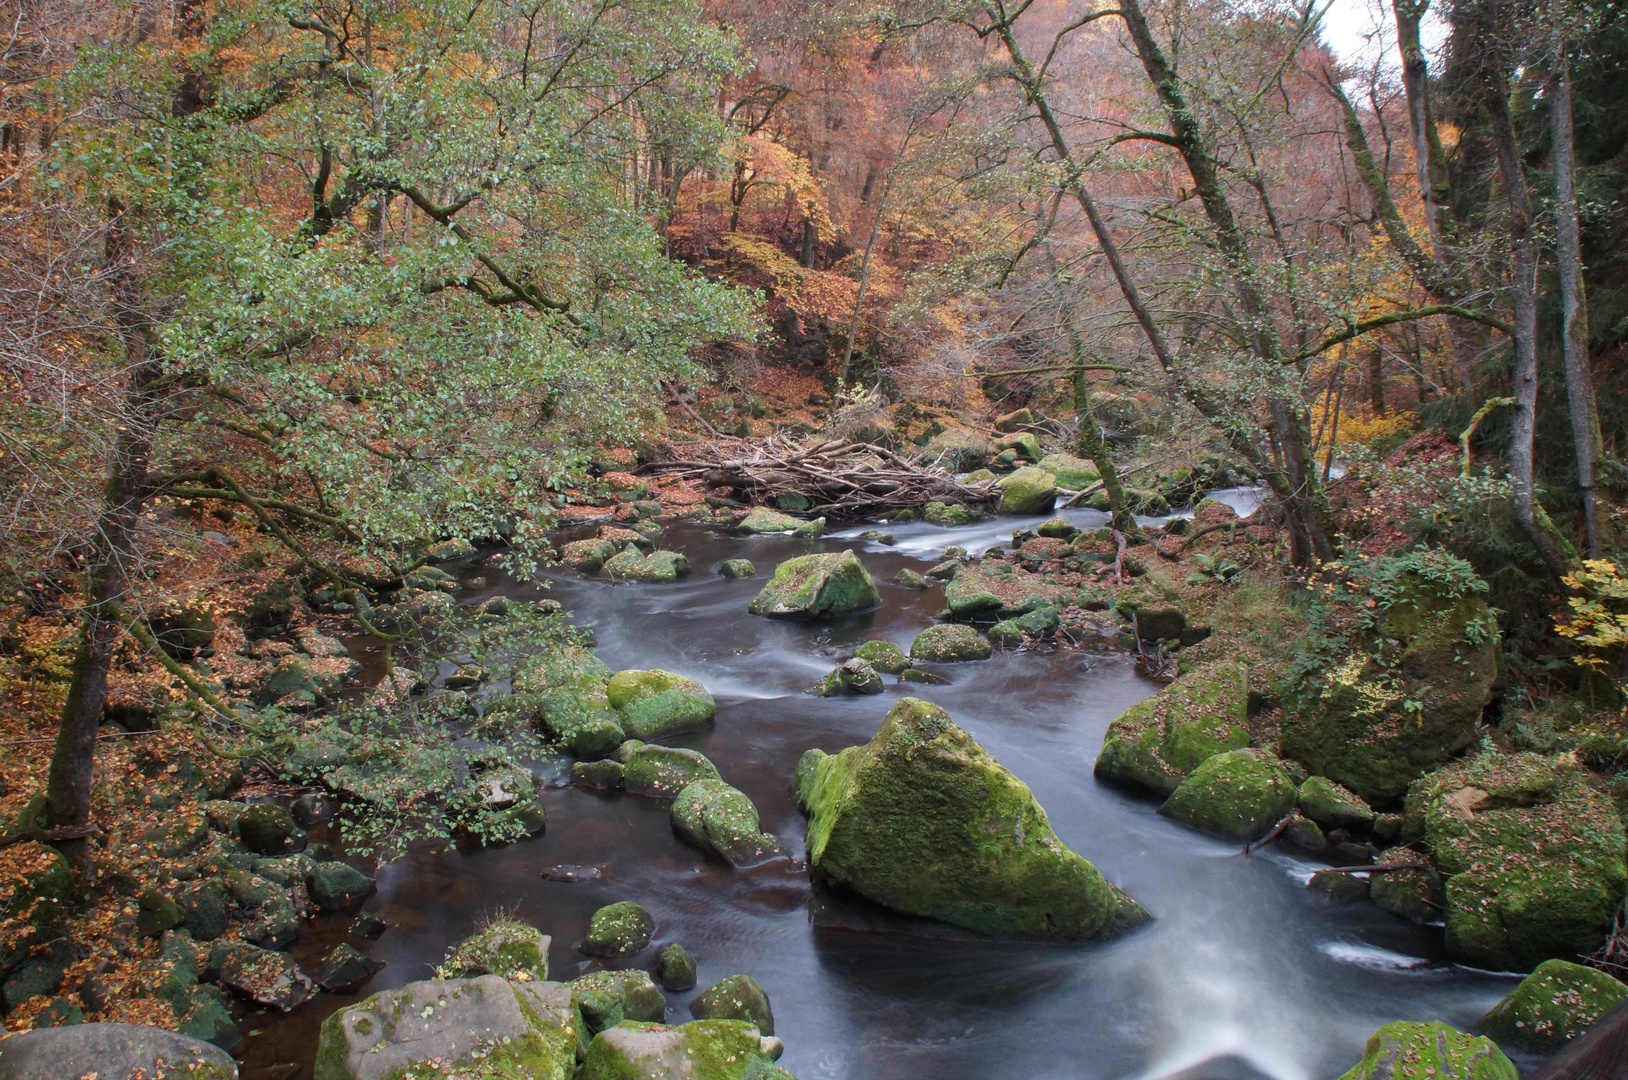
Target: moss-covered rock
(1057,529)
(1375,725)
(607,998)
(909,579)
(761,519)
(995,588)
(924,821)
(738,997)
(698,1050)
(854,676)
(661,772)
(1157,742)
(653,703)
(949,643)
(817,587)
(1073,473)
(507,948)
(883,656)
(737,568)
(1552,1006)
(652,568)
(1013,632)
(1415,895)
(1239,794)
(483,1026)
(675,968)
(948,515)
(602,775)
(269,829)
(718,818)
(337,886)
(1026,445)
(618,929)
(1404,1050)
(1531,857)
(565,691)
(1334,806)
(1029,490)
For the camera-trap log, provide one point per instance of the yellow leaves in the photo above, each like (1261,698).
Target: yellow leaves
(1598,621)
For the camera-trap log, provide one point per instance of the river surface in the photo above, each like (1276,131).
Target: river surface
(1243,974)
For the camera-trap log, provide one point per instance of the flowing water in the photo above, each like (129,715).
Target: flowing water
(1244,973)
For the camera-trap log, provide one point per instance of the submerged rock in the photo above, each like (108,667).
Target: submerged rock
(1029,490)
(737,997)
(1239,794)
(699,1050)
(507,948)
(1433,1051)
(345,968)
(265,977)
(483,1026)
(761,519)
(1531,857)
(924,821)
(949,643)
(817,587)
(661,772)
(618,930)
(1553,1005)
(1157,742)
(719,818)
(654,703)
(114,1051)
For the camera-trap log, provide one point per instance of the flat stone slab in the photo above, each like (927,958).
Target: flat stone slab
(112,1052)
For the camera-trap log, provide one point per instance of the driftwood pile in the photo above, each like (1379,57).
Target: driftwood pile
(839,479)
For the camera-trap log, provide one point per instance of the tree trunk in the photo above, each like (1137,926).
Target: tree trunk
(1376,382)
(72,770)
(1529,513)
(1585,412)
(865,268)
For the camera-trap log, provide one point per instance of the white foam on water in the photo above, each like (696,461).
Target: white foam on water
(1371,956)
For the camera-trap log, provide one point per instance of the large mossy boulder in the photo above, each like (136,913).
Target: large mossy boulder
(507,948)
(1029,490)
(1531,857)
(484,1026)
(996,588)
(698,1050)
(924,821)
(661,772)
(1157,742)
(947,515)
(1404,1050)
(606,998)
(618,929)
(1073,473)
(653,703)
(738,997)
(1553,1005)
(565,691)
(1239,794)
(817,587)
(1377,719)
(656,567)
(761,519)
(1333,806)
(883,656)
(114,1051)
(949,643)
(719,818)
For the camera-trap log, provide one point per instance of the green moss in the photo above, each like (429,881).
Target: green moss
(764,520)
(719,818)
(506,948)
(738,997)
(565,691)
(1413,894)
(883,656)
(1025,443)
(1410,1051)
(699,1050)
(994,588)
(1155,743)
(949,643)
(924,821)
(1552,1006)
(1239,794)
(1014,632)
(817,587)
(656,567)
(663,771)
(618,929)
(652,703)
(1331,805)
(1029,490)
(737,568)
(1073,473)
(948,515)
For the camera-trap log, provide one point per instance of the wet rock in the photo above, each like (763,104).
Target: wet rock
(1531,858)
(113,1051)
(675,968)
(738,997)
(369,926)
(589,555)
(761,519)
(157,913)
(854,676)
(1552,1006)
(37,976)
(1375,728)
(1340,888)
(1239,794)
(565,691)
(205,906)
(877,536)
(1157,742)
(948,515)
(1333,806)
(909,579)
(718,818)
(653,568)
(1404,1050)
(1036,624)
(607,998)
(603,775)
(944,571)
(654,703)
(949,643)
(737,568)
(1029,490)
(924,821)
(269,829)
(265,977)
(883,656)
(925,678)
(618,930)
(817,587)
(336,886)
(504,947)
(486,1026)
(208,1016)
(571,873)
(699,1050)
(312,809)
(661,772)
(1304,834)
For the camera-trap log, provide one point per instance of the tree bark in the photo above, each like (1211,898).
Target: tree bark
(113,553)
(1585,412)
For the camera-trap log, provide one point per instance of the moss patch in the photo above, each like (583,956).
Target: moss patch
(817,587)
(1155,743)
(1239,794)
